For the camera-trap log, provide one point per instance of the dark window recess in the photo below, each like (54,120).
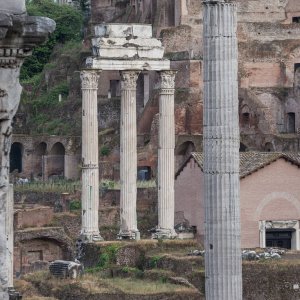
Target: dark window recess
(246,117)
(115,88)
(15,157)
(144,173)
(279,238)
(291,123)
(296,19)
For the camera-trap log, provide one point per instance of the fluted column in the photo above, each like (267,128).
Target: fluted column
(221,153)
(166,159)
(128,156)
(90,164)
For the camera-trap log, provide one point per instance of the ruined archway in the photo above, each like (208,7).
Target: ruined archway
(56,161)
(45,244)
(269,147)
(245,116)
(16,157)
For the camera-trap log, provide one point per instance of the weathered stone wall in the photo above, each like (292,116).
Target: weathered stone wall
(34,147)
(33,217)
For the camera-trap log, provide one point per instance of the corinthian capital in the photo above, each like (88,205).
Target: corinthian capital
(128,80)
(89,80)
(167,79)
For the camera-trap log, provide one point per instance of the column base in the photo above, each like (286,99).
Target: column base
(91,237)
(164,234)
(129,235)
(13,294)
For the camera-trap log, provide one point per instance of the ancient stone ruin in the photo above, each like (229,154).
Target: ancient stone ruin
(130,49)
(19,33)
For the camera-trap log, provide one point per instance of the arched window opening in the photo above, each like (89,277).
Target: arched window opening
(56,162)
(57,149)
(291,122)
(269,147)
(245,116)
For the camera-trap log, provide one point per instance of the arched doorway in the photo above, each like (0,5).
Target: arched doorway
(16,157)
(269,147)
(245,116)
(243,148)
(56,161)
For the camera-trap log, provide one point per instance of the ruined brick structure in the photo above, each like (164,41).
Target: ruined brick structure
(45,156)
(269,61)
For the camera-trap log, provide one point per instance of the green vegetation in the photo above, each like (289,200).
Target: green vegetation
(62,186)
(49,74)
(104,150)
(116,185)
(69,23)
(75,205)
(154,261)
(108,257)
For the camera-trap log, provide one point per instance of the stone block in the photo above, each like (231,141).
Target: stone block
(123,30)
(130,256)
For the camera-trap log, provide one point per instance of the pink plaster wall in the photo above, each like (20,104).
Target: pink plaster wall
(188,196)
(271,193)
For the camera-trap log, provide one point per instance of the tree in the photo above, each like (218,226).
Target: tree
(69,21)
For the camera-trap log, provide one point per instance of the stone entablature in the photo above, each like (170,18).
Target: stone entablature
(126,47)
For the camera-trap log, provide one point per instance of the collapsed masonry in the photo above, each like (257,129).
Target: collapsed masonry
(19,34)
(130,49)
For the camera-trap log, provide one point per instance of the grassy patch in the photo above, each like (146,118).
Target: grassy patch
(61,186)
(144,287)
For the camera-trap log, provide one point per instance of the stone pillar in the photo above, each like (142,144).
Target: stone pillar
(10,235)
(10,91)
(223,270)
(90,164)
(19,34)
(128,156)
(166,158)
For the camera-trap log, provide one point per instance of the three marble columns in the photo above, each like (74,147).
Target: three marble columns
(128,156)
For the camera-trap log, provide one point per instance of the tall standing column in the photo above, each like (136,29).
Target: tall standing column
(128,156)
(90,164)
(221,152)
(166,159)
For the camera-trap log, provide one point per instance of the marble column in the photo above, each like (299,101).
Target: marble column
(166,158)
(90,163)
(223,270)
(128,156)
(19,34)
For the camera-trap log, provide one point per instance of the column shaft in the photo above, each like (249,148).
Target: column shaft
(90,164)
(221,153)
(128,156)
(166,159)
